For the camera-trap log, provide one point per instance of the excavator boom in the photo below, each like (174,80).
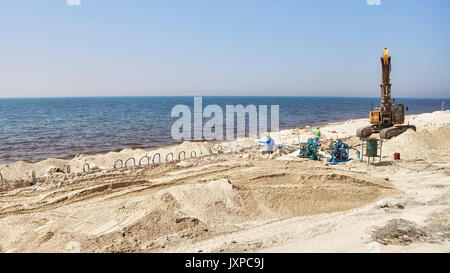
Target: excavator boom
(386,103)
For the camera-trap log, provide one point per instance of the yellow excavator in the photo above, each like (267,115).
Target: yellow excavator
(387,118)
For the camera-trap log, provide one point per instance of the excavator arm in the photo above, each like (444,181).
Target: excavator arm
(386,103)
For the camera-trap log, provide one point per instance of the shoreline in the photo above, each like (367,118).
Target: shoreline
(81,128)
(162,145)
(105,161)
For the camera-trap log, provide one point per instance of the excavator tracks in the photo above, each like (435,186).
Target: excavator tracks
(365,131)
(386,133)
(391,132)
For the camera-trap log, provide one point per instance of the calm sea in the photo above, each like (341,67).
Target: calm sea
(39,128)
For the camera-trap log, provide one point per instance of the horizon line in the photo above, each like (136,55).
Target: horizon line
(185,96)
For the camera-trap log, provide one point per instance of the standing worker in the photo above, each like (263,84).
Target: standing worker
(317,134)
(269,144)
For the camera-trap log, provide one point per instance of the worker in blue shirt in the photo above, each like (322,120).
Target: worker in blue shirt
(269,144)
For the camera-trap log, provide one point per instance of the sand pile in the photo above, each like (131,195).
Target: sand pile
(106,161)
(441,137)
(410,144)
(185,211)
(148,233)
(214,202)
(296,193)
(437,118)
(199,148)
(420,144)
(240,145)
(22,170)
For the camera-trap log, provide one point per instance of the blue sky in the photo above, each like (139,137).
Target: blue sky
(222,47)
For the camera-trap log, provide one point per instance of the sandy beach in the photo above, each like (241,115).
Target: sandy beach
(229,197)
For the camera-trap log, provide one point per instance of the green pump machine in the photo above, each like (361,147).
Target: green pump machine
(309,149)
(340,152)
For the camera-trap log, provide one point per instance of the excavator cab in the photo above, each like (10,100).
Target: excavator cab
(398,116)
(398,113)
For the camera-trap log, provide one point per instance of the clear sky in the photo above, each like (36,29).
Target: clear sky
(222,47)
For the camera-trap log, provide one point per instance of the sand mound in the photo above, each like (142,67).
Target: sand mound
(213,202)
(294,194)
(437,118)
(22,170)
(441,137)
(421,144)
(264,197)
(146,233)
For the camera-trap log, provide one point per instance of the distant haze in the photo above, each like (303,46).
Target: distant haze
(71,48)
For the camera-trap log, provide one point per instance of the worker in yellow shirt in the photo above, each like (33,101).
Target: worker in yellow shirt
(317,134)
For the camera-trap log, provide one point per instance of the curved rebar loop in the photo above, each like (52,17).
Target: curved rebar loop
(184,153)
(159,158)
(148,160)
(121,163)
(210,151)
(88,169)
(134,162)
(195,154)
(168,155)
